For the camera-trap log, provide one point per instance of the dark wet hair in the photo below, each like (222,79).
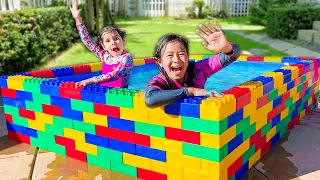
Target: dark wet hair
(162,43)
(110,28)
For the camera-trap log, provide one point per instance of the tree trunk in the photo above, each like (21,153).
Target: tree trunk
(99,14)
(109,19)
(122,8)
(90,16)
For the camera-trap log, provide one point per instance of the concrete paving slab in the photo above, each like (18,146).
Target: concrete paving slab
(281,45)
(15,159)
(300,51)
(255,37)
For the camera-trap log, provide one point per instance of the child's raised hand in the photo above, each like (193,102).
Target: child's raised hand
(85,82)
(202,92)
(74,9)
(215,38)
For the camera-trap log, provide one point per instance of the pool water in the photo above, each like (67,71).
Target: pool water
(236,73)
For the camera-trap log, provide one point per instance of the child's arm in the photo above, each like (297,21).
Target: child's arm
(123,69)
(155,97)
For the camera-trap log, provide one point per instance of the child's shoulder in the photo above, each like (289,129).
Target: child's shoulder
(158,81)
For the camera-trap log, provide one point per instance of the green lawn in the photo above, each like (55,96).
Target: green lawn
(143,33)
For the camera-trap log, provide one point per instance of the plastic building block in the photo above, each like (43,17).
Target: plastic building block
(14,102)
(29,132)
(106,110)
(122,146)
(277,101)
(81,69)
(84,127)
(235,118)
(94,93)
(47,73)
(120,97)
(97,140)
(15,82)
(151,153)
(202,125)
(64,103)
(23,95)
(50,87)
(27,114)
(272,95)
(286,74)
(138,62)
(121,124)
(72,114)
(82,106)
(18,137)
(242,58)
(150,60)
(268,83)
(182,135)
(277,78)
(32,85)
(150,175)
(290,59)
(95,119)
(70,148)
(235,142)
(52,110)
(272,59)
(62,71)
(242,95)
(234,167)
(11,93)
(188,107)
(255,58)
(3,81)
(8,118)
(69,90)
(13,127)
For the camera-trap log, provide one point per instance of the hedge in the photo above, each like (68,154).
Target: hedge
(284,23)
(30,36)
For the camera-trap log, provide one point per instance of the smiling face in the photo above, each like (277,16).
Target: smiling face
(112,42)
(174,60)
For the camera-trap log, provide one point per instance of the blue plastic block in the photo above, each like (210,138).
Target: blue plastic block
(298,103)
(94,93)
(290,60)
(151,153)
(122,146)
(173,108)
(268,84)
(3,81)
(275,120)
(13,102)
(78,77)
(97,140)
(29,132)
(63,71)
(72,114)
(13,127)
(191,107)
(294,113)
(277,101)
(308,90)
(235,142)
(275,139)
(23,95)
(235,118)
(286,74)
(268,87)
(6,101)
(244,168)
(306,66)
(122,124)
(50,87)
(305,105)
(290,85)
(61,102)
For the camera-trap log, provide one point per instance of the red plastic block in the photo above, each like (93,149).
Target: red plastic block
(149,60)
(183,135)
(307,109)
(81,69)
(242,95)
(265,148)
(301,68)
(106,110)
(274,112)
(121,135)
(8,117)
(47,73)
(293,122)
(27,114)
(302,93)
(19,137)
(261,142)
(255,58)
(150,175)
(11,93)
(52,110)
(70,148)
(263,100)
(255,137)
(305,58)
(297,81)
(234,167)
(305,85)
(69,90)
(285,96)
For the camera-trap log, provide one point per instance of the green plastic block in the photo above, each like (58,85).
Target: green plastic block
(283,131)
(299,88)
(243,125)
(289,102)
(266,128)
(63,122)
(204,152)
(54,129)
(233,177)
(20,121)
(206,56)
(33,106)
(273,95)
(120,97)
(84,127)
(40,143)
(300,109)
(110,154)
(303,78)
(250,152)
(249,132)
(56,148)
(82,105)
(99,161)
(202,125)
(123,168)
(41,98)
(149,129)
(11,110)
(32,85)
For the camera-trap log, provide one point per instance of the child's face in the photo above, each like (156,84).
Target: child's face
(174,60)
(113,43)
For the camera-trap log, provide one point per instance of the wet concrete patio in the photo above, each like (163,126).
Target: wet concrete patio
(295,157)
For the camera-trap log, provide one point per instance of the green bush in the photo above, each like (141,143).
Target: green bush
(30,36)
(284,23)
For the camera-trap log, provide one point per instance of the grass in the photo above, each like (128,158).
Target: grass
(143,34)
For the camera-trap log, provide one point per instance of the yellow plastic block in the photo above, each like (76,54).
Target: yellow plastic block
(260,122)
(159,117)
(139,102)
(195,57)
(138,62)
(95,119)
(95,66)
(80,142)
(37,125)
(187,162)
(272,59)
(308,74)
(16,82)
(165,144)
(271,133)
(302,114)
(293,91)
(198,175)
(242,58)
(310,82)
(45,118)
(256,89)
(172,172)
(295,98)
(277,78)
(217,141)
(253,159)
(309,101)
(137,161)
(217,108)
(261,112)
(204,166)
(134,114)
(282,89)
(249,109)
(284,114)
(294,71)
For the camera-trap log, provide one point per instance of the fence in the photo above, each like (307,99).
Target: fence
(10,5)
